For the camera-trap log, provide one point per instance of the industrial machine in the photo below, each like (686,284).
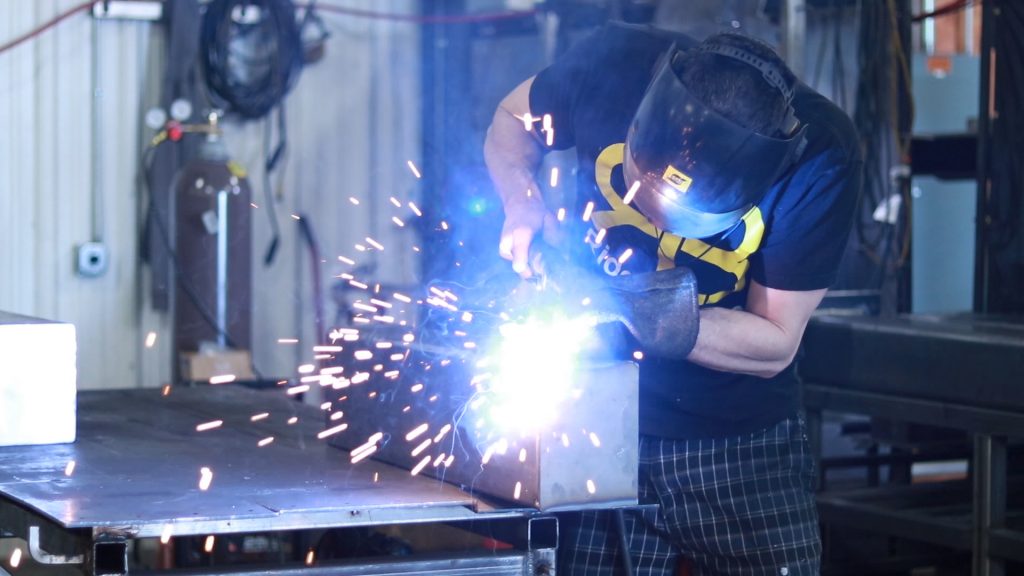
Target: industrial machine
(949,376)
(960,372)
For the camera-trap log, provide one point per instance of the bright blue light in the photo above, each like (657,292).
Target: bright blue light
(532,370)
(477,206)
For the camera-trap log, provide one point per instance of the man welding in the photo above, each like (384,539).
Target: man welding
(708,156)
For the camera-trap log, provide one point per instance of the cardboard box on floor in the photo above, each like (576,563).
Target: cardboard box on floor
(201,366)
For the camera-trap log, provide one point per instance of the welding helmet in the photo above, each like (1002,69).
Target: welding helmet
(700,172)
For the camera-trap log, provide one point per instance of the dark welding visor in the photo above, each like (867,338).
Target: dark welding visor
(700,172)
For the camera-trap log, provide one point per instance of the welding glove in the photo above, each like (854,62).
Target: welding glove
(658,308)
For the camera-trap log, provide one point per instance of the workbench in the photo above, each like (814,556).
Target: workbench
(963,372)
(137,473)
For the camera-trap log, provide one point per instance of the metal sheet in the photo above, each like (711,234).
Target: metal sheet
(37,381)
(587,459)
(138,460)
(599,467)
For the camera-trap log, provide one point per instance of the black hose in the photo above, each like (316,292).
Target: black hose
(251,53)
(306,231)
(272,159)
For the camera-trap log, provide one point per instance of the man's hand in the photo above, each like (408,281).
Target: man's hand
(524,220)
(527,221)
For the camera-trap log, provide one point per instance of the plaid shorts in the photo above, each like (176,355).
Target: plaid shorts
(736,506)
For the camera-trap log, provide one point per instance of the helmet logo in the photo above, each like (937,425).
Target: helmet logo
(677,179)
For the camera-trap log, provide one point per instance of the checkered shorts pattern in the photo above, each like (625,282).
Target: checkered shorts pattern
(735,506)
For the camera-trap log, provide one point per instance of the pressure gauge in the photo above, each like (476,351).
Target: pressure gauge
(156,118)
(181,110)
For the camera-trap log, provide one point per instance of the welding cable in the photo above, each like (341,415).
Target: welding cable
(901,83)
(250,65)
(272,159)
(306,231)
(876,117)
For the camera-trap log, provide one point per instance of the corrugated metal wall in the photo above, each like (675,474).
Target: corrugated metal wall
(353,122)
(47,167)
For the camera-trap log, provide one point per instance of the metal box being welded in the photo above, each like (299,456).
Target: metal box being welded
(586,458)
(38,375)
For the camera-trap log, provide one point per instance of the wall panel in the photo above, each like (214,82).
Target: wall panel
(353,122)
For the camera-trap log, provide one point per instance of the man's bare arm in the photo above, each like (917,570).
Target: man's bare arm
(761,340)
(513,155)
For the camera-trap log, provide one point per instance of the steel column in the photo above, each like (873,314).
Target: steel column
(984,218)
(989,501)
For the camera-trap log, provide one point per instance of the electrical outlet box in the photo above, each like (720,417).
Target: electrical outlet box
(92,259)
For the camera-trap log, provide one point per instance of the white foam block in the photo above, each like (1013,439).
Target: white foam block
(37,381)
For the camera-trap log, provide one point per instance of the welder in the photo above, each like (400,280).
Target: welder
(709,165)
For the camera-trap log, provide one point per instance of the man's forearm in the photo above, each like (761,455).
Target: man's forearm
(761,340)
(512,153)
(513,156)
(738,341)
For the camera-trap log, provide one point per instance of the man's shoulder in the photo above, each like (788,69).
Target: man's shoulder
(828,125)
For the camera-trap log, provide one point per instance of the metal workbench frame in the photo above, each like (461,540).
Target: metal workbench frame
(986,536)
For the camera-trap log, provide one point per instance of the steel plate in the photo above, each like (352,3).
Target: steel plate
(138,459)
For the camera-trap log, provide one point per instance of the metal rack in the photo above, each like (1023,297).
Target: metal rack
(961,372)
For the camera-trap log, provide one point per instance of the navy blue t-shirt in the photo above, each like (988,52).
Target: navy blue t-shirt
(792,240)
